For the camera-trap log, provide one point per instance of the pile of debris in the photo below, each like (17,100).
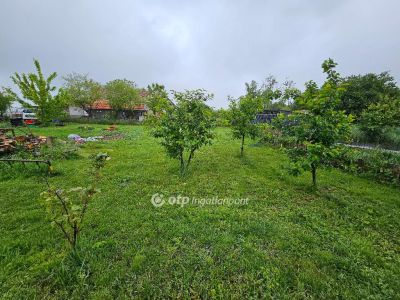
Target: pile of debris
(7,143)
(10,142)
(80,140)
(109,134)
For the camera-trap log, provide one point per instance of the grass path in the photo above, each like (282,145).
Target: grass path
(289,241)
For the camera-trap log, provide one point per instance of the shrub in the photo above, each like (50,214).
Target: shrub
(381,165)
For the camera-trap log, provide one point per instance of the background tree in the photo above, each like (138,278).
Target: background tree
(186,127)
(317,131)
(5,102)
(121,94)
(222,117)
(289,94)
(365,90)
(38,90)
(157,99)
(82,90)
(379,117)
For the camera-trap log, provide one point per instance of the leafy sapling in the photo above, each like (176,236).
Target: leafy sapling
(186,126)
(318,128)
(67,208)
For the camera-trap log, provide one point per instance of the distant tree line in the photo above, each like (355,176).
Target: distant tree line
(35,90)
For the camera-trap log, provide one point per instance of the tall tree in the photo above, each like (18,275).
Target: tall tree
(186,127)
(317,130)
(365,90)
(121,94)
(82,90)
(5,101)
(39,91)
(157,98)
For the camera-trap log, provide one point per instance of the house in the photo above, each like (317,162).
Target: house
(269,114)
(101,109)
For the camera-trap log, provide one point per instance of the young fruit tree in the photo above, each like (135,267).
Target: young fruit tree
(186,126)
(317,129)
(243,113)
(38,91)
(66,209)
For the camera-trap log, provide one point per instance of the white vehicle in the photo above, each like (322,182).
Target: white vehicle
(27,116)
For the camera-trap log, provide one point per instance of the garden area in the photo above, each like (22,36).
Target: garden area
(290,240)
(285,194)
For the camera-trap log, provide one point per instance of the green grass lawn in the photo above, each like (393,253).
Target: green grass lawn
(290,241)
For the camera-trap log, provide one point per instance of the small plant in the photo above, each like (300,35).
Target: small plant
(67,208)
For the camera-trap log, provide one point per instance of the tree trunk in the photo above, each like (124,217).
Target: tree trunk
(314,174)
(75,236)
(182,163)
(190,158)
(241,148)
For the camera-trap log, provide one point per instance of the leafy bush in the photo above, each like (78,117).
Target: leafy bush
(381,165)
(389,138)
(269,134)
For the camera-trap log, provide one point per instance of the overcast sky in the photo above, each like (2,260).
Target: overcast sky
(216,45)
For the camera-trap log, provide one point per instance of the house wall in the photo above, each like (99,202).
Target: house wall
(76,112)
(137,115)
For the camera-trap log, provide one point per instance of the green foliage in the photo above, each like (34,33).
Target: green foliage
(99,161)
(5,101)
(59,150)
(317,130)
(39,91)
(82,90)
(121,94)
(242,113)
(289,242)
(267,95)
(67,208)
(381,165)
(186,127)
(378,117)
(157,98)
(365,90)
(222,117)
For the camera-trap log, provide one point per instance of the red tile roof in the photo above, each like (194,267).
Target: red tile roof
(103,104)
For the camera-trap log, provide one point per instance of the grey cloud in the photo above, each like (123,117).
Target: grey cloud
(217,45)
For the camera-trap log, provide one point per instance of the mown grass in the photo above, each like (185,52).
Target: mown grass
(290,241)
